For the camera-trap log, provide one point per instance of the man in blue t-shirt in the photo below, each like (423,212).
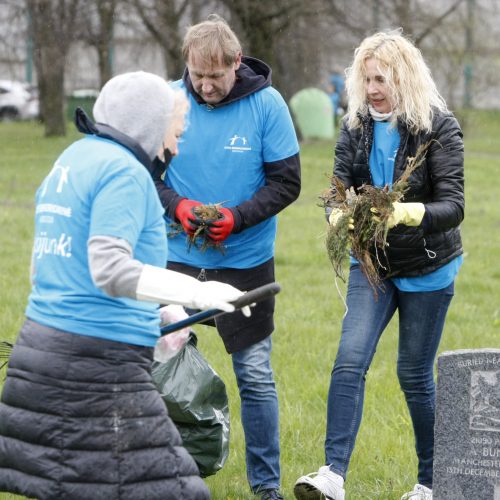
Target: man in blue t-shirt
(240,151)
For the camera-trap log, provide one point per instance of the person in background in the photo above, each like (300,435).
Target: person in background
(336,91)
(241,152)
(393,108)
(337,80)
(335,99)
(80,416)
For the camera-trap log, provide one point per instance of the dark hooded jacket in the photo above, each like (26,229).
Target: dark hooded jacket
(282,177)
(438,183)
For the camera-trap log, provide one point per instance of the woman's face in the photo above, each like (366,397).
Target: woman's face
(377,91)
(174,132)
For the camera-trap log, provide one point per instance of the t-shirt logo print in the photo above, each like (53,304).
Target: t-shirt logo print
(63,178)
(238,144)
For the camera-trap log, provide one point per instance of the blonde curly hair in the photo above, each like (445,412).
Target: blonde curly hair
(412,89)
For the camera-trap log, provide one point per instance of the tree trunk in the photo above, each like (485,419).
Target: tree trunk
(53,28)
(162,19)
(104,63)
(106,12)
(50,72)
(49,63)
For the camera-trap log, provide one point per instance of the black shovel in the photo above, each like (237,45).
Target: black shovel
(256,295)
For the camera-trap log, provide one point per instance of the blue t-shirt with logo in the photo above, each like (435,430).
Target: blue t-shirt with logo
(96,188)
(382,156)
(221,157)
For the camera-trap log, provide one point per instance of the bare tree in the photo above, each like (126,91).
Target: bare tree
(352,19)
(98,32)
(262,22)
(436,21)
(417,18)
(13,38)
(302,41)
(437,28)
(52,22)
(267,28)
(163,20)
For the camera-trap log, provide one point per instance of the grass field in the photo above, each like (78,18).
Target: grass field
(309,311)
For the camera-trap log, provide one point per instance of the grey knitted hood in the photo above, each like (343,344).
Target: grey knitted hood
(138,104)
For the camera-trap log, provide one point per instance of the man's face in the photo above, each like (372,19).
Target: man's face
(212,81)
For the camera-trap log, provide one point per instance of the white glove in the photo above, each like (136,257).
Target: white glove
(169,345)
(172,314)
(169,287)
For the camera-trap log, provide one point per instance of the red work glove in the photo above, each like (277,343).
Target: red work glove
(220,229)
(186,216)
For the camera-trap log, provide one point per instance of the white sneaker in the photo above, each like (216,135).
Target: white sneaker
(419,492)
(324,485)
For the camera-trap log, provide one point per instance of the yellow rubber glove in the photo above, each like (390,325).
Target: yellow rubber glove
(409,214)
(335,216)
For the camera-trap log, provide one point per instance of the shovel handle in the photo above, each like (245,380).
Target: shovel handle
(247,299)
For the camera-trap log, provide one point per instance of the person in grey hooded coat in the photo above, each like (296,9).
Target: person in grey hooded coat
(80,417)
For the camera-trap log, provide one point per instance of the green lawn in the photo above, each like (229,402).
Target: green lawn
(309,311)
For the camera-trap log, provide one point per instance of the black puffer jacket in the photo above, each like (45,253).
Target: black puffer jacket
(438,183)
(81,419)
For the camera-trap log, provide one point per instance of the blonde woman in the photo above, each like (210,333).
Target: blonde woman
(393,108)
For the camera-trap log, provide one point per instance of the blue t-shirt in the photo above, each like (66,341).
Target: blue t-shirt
(96,188)
(384,149)
(220,160)
(382,156)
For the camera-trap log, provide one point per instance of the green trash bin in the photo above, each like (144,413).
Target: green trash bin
(313,114)
(84,98)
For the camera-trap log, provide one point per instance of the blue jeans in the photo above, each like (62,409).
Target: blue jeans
(421,322)
(259,414)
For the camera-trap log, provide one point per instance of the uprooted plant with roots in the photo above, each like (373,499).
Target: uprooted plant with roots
(363,224)
(206,214)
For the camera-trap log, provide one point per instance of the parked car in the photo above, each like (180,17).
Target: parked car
(18,101)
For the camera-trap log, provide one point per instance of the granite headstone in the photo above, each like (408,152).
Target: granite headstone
(467,430)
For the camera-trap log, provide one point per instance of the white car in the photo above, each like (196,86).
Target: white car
(18,101)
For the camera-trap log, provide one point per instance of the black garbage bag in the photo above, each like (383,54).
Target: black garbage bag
(197,403)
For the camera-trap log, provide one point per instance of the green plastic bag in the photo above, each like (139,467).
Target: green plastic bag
(197,403)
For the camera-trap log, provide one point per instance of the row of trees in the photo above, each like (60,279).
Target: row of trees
(301,40)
